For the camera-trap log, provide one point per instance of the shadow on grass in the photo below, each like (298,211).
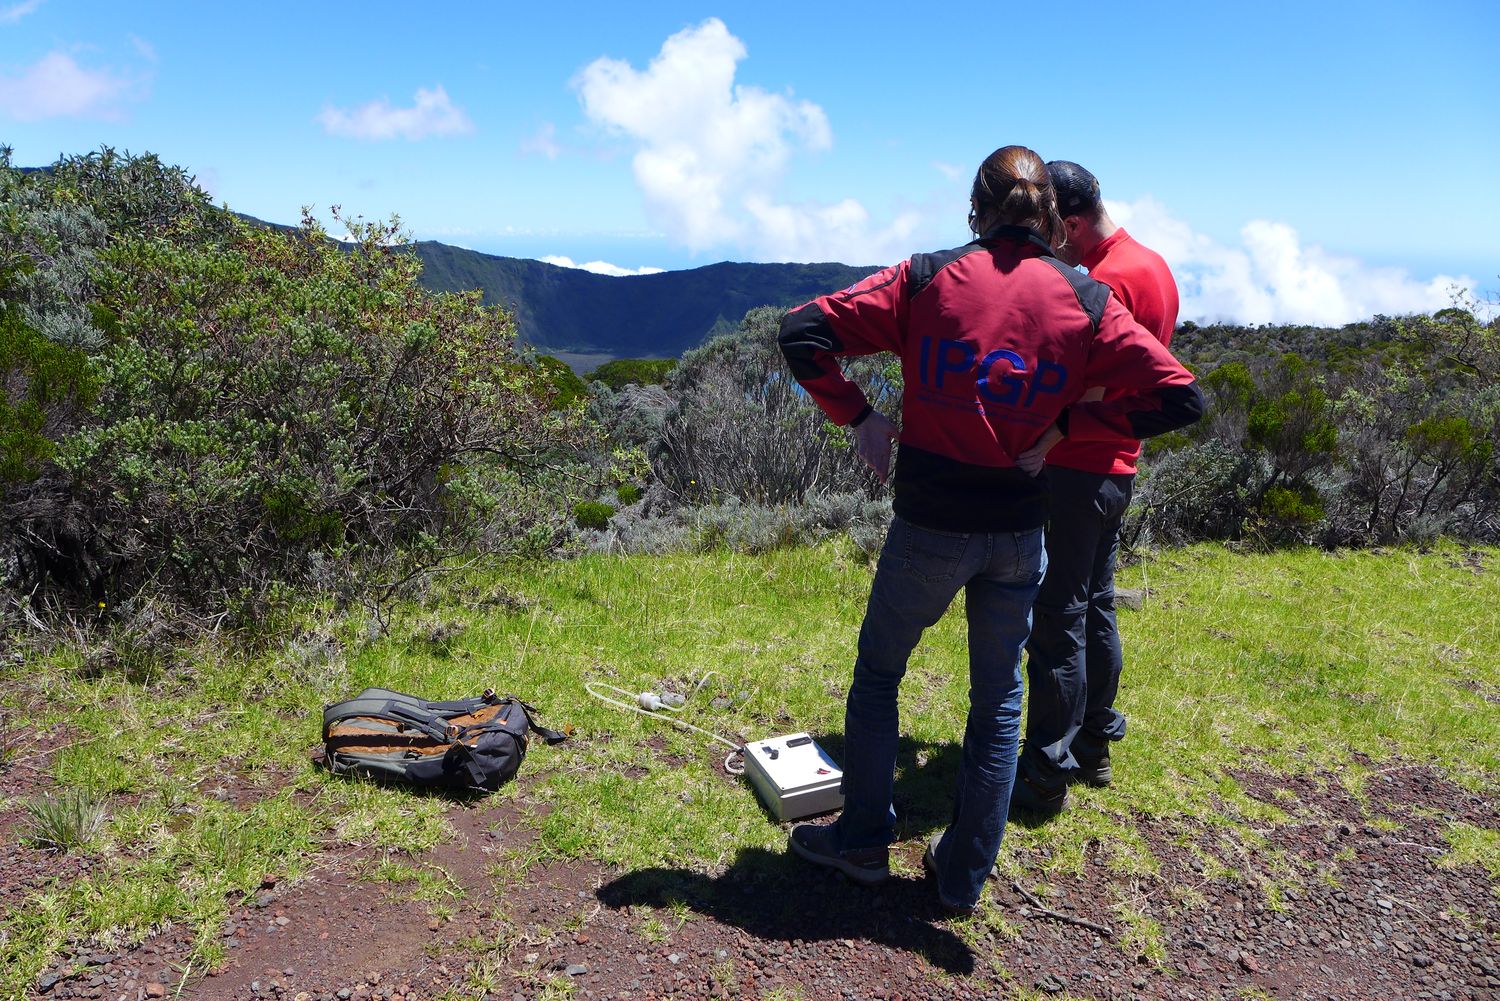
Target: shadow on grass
(778,896)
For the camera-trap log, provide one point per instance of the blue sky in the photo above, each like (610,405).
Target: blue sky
(1312,162)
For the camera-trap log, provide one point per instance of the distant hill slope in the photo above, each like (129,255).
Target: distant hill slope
(565,310)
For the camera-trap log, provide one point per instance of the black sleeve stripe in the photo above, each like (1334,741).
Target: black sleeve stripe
(1092,296)
(1180,406)
(804,333)
(851,292)
(924,267)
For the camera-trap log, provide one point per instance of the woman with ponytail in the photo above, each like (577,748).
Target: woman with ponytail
(998,339)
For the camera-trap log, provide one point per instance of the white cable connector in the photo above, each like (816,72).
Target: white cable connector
(648,704)
(665,702)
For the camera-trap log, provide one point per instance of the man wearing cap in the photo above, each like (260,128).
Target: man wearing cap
(1074,658)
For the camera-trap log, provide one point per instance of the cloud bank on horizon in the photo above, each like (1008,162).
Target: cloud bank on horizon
(710,156)
(1272,277)
(599,267)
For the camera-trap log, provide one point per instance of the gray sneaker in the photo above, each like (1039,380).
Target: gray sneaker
(818,843)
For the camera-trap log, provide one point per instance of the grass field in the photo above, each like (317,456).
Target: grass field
(196,762)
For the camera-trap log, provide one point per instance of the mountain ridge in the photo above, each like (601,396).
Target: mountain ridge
(570,311)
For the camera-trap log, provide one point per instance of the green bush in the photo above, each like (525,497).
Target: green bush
(273,408)
(592,514)
(628,493)
(1292,507)
(40,382)
(566,388)
(624,372)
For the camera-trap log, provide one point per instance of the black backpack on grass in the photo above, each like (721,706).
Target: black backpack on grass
(465,744)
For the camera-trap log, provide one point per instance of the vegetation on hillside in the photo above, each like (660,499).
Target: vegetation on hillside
(624,372)
(1371,434)
(219,412)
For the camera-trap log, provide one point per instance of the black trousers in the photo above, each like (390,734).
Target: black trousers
(1073,657)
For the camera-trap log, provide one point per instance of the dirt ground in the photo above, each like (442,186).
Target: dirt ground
(1367,912)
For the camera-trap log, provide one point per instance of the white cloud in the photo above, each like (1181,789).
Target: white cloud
(14,13)
(710,154)
(1272,277)
(57,87)
(600,267)
(544,141)
(431,114)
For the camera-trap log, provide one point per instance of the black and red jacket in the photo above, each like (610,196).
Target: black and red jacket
(997,340)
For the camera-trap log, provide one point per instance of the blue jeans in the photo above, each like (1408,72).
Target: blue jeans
(919,573)
(1074,657)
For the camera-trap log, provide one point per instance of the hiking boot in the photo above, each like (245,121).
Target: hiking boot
(929,862)
(1034,796)
(1092,770)
(818,843)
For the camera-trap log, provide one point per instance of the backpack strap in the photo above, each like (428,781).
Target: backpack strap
(429,717)
(460,707)
(459,757)
(550,736)
(401,714)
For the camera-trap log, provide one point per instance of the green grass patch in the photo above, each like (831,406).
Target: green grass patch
(1302,660)
(1470,845)
(1299,662)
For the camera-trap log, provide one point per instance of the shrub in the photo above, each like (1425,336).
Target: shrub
(1204,491)
(1292,507)
(274,408)
(567,389)
(592,514)
(622,372)
(740,427)
(41,384)
(631,419)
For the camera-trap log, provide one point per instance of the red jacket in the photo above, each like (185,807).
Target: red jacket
(1143,283)
(997,340)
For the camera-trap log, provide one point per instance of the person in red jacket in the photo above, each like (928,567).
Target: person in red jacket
(1074,658)
(998,340)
